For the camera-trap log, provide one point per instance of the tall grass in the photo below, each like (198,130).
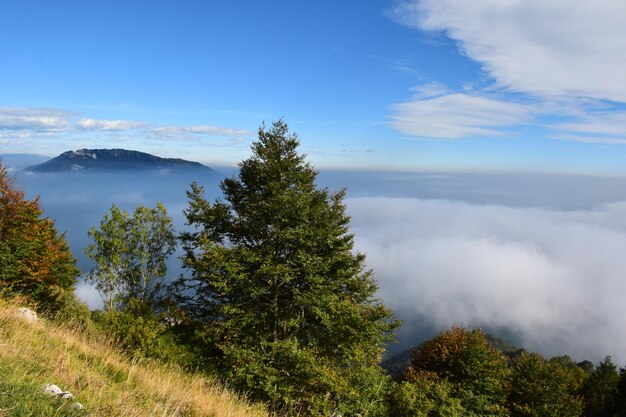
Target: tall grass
(104,381)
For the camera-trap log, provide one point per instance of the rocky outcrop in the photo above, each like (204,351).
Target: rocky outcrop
(27,314)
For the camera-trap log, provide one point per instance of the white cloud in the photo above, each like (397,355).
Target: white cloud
(610,124)
(431,89)
(456,115)
(554,278)
(598,140)
(20,129)
(192,132)
(598,127)
(39,120)
(564,57)
(109,125)
(545,48)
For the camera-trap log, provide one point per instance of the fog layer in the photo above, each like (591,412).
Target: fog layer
(552,280)
(538,259)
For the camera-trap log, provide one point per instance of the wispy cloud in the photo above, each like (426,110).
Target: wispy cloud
(182,132)
(456,115)
(604,123)
(39,120)
(549,48)
(598,140)
(18,124)
(109,125)
(564,57)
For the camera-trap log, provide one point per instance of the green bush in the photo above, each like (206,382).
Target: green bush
(64,306)
(423,394)
(136,329)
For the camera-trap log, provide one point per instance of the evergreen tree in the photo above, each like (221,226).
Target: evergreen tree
(620,403)
(287,308)
(601,390)
(34,259)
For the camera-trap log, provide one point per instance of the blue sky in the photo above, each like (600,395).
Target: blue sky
(386,85)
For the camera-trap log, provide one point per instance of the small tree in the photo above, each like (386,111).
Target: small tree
(478,373)
(34,259)
(601,391)
(620,403)
(542,388)
(286,306)
(130,254)
(424,394)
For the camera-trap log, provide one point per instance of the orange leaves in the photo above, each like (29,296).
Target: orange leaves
(33,257)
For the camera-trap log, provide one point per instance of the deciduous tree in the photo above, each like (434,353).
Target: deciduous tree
(478,373)
(542,388)
(424,394)
(130,254)
(34,259)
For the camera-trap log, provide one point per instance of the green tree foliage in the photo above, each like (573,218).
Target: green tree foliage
(476,371)
(542,388)
(130,254)
(287,309)
(601,390)
(424,394)
(620,403)
(34,259)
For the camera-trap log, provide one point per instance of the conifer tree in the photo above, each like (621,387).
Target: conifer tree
(601,390)
(35,260)
(287,306)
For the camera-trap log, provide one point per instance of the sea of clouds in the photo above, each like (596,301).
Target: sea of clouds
(537,259)
(554,281)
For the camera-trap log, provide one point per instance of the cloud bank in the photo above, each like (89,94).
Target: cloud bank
(564,59)
(554,280)
(33,119)
(61,128)
(457,115)
(555,48)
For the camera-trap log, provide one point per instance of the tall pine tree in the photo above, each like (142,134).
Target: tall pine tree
(287,308)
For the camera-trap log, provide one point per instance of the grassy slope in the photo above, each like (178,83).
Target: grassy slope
(104,381)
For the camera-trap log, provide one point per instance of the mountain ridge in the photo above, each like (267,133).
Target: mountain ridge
(86,160)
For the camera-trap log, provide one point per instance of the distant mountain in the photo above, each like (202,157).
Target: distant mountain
(88,160)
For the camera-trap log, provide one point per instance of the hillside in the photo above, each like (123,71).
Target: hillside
(113,160)
(103,381)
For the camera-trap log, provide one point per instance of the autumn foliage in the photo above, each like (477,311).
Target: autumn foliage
(477,372)
(34,259)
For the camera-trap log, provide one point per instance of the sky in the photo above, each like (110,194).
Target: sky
(481,141)
(447,85)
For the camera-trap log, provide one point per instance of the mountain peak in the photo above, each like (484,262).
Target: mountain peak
(113,160)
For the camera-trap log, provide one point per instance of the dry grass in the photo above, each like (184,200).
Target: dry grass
(103,380)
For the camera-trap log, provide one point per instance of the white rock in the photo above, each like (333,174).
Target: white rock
(27,314)
(52,390)
(77,406)
(67,395)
